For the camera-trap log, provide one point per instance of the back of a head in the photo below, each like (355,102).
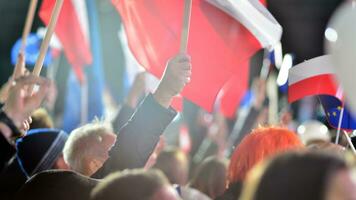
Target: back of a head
(210,177)
(313,131)
(57,185)
(40,149)
(130,185)
(41,119)
(174,164)
(260,144)
(293,176)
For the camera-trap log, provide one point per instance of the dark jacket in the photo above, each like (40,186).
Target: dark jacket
(7,151)
(57,185)
(11,180)
(138,138)
(122,117)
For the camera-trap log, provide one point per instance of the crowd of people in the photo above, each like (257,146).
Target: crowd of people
(128,158)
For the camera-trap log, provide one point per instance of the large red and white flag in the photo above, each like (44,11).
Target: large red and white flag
(218,44)
(72,31)
(313,77)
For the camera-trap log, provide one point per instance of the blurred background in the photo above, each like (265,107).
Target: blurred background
(112,73)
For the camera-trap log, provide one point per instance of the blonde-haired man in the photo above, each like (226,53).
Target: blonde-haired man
(87,147)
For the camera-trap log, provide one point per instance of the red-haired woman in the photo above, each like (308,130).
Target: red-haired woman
(260,144)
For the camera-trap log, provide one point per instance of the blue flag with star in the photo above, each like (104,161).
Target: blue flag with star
(333,107)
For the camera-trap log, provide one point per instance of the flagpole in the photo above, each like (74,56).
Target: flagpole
(84,101)
(272,94)
(28,24)
(45,43)
(186,25)
(266,63)
(339,126)
(20,62)
(350,142)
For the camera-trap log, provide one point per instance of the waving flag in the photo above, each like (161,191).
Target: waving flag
(255,17)
(316,77)
(218,44)
(72,31)
(313,77)
(333,107)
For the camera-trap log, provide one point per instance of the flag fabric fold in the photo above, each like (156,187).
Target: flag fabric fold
(255,17)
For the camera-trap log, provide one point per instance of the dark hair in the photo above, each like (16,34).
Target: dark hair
(298,175)
(169,162)
(210,177)
(130,184)
(41,119)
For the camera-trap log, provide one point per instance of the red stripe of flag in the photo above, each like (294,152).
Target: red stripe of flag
(316,85)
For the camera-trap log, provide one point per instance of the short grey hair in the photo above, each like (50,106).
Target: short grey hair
(80,140)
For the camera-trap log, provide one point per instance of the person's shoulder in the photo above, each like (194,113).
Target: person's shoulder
(60,176)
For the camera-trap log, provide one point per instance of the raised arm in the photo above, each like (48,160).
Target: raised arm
(138,138)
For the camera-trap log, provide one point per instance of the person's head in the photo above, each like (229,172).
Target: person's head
(135,184)
(41,119)
(210,177)
(301,175)
(87,147)
(260,144)
(174,164)
(313,132)
(57,185)
(41,149)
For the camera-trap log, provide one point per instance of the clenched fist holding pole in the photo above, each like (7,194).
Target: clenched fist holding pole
(176,75)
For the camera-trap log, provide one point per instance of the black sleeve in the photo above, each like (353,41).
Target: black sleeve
(138,138)
(122,117)
(7,151)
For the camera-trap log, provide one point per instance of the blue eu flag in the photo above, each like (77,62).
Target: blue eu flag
(333,107)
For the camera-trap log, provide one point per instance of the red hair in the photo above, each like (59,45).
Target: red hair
(261,143)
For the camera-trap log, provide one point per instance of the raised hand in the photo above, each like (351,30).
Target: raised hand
(176,76)
(20,104)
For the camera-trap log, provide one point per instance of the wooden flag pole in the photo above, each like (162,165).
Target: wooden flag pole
(350,142)
(186,24)
(339,126)
(28,24)
(266,63)
(20,62)
(45,43)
